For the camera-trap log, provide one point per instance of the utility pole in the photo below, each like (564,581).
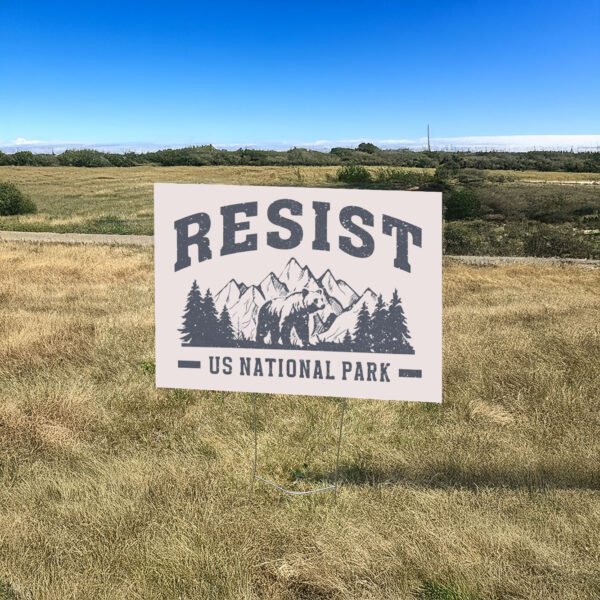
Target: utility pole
(428,142)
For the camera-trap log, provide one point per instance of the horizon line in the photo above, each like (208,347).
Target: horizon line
(505,143)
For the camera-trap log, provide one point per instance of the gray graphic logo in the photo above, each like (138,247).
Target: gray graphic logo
(293,311)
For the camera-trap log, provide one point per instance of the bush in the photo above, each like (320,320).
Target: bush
(23,158)
(480,238)
(500,177)
(13,201)
(471,177)
(83,158)
(401,177)
(461,203)
(545,202)
(367,147)
(562,240)
(356,174)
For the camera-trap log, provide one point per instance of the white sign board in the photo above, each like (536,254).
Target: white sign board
(282,290)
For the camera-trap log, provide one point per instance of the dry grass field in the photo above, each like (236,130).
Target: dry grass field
(120,200)
(112,489)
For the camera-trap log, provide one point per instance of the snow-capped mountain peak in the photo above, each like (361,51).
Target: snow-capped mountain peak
(346,321)
(338,289)
(271,287)
(369,297)
(244,313)
(328,279)
(228,296)
(252,293)
(291,274)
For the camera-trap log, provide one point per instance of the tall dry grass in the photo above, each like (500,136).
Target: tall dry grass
(110,488)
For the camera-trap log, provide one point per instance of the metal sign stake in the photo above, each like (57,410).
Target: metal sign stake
(333,487)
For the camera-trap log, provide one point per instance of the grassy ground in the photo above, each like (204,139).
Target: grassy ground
(119,200)
(110,488)
(559,176)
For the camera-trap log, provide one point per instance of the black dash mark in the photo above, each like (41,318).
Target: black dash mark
(188,364)
(410,373)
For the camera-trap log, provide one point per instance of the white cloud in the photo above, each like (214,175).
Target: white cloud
(23,142)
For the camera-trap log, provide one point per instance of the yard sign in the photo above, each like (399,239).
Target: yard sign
(324,292)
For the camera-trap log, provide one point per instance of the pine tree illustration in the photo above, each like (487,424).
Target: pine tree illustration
(226,334)
(378,326)
(397,327)
(192,329)
(362,331)
(211,320)
(347,341)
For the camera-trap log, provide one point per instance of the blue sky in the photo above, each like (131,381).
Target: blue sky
(262,72)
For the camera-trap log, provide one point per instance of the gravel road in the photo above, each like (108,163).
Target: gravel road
(148,240)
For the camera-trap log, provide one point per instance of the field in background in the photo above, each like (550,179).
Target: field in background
(119,200)
(110,488)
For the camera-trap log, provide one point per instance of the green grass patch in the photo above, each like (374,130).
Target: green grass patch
(432,590)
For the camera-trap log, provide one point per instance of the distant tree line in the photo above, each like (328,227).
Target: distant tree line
(364,154)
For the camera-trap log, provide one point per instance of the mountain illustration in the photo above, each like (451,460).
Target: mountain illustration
(347,320)
(244,312)
(338,289)
(291,273)
(271,287)
(330,315)
(298,278)
(229,295)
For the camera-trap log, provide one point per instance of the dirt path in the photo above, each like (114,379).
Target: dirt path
(148,240)
(485,261)
(76,238)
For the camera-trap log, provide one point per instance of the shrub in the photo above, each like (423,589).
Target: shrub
(545,202)
(402,177)
(367,147)
(23,158)
(45,160)
(13,201)
(443,177)
(356,174)
(83,158)
(500,177)
(461,203)
(562,240)
(481,238)
(470,177)
(472,238)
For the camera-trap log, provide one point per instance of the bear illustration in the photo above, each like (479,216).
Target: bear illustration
(279,316)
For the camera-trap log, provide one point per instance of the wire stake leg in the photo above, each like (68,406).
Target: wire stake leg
(255,445)
(339,445)
(333,487)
